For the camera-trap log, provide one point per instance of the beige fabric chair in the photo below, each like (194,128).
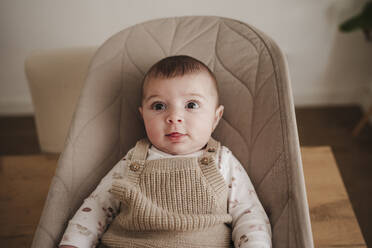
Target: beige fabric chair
(258,125)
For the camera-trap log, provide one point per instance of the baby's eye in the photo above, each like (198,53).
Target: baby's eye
(158,106)
(192,105)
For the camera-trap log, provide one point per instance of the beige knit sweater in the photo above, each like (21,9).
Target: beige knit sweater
(171,202)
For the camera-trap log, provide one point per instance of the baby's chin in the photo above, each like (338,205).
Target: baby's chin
(179,149)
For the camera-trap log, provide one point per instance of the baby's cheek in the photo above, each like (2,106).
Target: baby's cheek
(152,124)
(153,130)
(204,123)
(201,130)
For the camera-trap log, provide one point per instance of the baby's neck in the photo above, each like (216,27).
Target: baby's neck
(166,154)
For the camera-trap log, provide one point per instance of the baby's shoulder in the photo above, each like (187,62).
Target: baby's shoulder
(227,157)
(224,157)
(225,149)
(225,152)
(128,155)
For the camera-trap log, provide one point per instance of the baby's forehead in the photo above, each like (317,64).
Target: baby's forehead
(211,81)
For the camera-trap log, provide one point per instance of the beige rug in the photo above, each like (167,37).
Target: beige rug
(24,183)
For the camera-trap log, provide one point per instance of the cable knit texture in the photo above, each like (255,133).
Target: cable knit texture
(171,202)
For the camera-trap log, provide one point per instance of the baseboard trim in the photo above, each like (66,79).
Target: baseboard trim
(326,99)
(366,102)
(17,107)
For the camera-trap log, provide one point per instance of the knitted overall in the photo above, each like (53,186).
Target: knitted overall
(171,202)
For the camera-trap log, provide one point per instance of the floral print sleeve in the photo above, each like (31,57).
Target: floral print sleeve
(251,226)
(97,211)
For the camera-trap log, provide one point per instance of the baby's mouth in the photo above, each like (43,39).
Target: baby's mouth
(175,135)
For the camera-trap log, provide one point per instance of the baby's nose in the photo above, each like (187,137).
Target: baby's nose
(173,118)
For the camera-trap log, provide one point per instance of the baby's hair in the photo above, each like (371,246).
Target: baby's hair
(177,66)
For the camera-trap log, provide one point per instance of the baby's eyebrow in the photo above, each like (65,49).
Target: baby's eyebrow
(196,95)
(150,97)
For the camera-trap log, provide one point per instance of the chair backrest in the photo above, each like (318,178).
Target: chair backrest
(258,124)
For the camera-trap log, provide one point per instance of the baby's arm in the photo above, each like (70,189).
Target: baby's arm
(97,211)
(251,226)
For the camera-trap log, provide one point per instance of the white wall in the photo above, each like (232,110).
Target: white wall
(327,67)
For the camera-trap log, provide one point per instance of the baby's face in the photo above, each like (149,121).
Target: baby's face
(180,113)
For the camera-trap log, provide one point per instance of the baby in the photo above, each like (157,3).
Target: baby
(178,187)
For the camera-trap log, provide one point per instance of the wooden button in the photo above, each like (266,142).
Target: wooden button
(204,160)
(211,149)
(134,166)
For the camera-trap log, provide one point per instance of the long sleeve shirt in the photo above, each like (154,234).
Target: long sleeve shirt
(250,224)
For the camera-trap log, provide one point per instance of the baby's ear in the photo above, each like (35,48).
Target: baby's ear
(218,116)
(140,110)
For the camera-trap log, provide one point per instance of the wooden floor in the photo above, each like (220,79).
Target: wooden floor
(24,184)
(329,126)
(332,126)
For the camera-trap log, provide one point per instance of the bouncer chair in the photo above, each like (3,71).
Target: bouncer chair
(258,125)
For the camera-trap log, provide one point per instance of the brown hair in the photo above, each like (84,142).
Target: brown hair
(175,66)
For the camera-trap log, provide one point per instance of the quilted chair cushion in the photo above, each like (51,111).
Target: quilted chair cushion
(258,124)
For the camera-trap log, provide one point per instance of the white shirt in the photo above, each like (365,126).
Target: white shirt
(250,224)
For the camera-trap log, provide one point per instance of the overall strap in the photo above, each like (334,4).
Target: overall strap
(140,150)
(213,147)
(211,152)
(137,161)
(208,164)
